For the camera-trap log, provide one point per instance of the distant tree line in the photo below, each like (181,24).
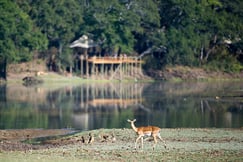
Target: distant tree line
(205,33)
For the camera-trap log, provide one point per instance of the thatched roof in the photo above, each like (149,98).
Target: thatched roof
(83,42)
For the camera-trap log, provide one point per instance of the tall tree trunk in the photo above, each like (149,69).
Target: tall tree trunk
(3,68)
(60,48)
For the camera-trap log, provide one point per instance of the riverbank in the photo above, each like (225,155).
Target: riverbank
(118,145)
(16,72)
(183,73)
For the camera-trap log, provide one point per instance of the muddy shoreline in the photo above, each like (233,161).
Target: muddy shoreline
(18,139)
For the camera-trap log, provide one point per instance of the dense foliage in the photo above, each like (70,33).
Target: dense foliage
(204,33)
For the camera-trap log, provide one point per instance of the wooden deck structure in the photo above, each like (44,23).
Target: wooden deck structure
(112,66)
(106,66)
(114,60)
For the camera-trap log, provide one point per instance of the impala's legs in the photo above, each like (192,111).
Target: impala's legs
(142,142)
(161,139)
(140,136)
(155,140)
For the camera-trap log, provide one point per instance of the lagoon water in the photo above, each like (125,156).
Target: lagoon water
(108,105)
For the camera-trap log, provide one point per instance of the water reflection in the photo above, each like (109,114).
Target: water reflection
(108,105)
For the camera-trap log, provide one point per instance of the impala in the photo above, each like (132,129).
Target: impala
(151,131)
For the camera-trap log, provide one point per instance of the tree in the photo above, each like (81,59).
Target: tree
(18,36)
(121,23)
(107,20)
(59,20)
(192,32)
(195,29)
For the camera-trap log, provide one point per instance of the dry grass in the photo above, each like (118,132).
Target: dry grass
(183,145)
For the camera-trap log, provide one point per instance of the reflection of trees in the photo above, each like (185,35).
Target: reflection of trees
(187,105)
(224,105)
(3,91)
(97,105)
(89,104)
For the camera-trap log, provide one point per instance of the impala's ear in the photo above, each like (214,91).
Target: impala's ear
(129,120)
(134,120)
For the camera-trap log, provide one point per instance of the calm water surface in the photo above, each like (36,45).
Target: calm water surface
(108,105)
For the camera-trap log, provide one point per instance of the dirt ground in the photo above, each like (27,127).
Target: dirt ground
(17,139)
(118,145)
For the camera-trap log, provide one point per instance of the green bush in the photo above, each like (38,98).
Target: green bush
(222,60)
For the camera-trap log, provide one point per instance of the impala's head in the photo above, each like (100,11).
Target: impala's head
(131,121)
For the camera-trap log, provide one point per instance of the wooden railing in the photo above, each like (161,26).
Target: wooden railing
(114,60)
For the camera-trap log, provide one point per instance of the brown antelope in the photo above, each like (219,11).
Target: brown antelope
(146,131)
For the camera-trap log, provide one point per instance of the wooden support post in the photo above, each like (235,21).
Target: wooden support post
(106,70)
(102,70)
(96,70)
(81,65)
(125,68)
(136,65)
(140,67)
(120,71)
(111,69)
(93,70)
(87,63)
(87,67)
(131,69)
